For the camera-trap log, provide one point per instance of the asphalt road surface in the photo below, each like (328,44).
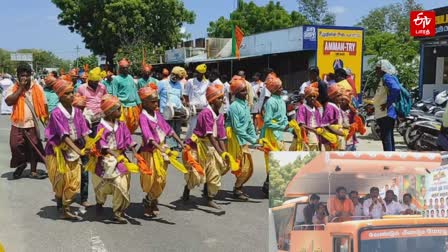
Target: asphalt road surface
(29,220)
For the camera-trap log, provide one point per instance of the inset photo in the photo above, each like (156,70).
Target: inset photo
(358,201)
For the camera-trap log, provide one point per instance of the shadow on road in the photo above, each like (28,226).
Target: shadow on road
(26,173)
(135,210)
(195,203)
(253,192)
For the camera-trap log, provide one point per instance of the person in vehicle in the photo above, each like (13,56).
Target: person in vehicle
(374,206)
(392,206)
(407,206)
(310,209)
(341,208)
(358,210)
(320,217)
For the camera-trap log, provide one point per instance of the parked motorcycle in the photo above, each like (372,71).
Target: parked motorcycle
(422,134)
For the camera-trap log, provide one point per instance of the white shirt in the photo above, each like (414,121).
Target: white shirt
(257,87)
(405,207)
(264,93)
(195,90)
(358,210)
(393,208)
(5,84)
(377,211)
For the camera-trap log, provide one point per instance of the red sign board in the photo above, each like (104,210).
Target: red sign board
(423,23)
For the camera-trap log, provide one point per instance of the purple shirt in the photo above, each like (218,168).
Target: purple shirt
(93,97)
(305,114)
(148,125)
(331,115)
(123,140)
(207,119)
(58,127)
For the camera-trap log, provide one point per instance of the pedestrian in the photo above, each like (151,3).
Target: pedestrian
(309,118)
(332,121)
(165,74)
(5,83)
(50,95)
(203,150)
(194,96)
(313,75)
(386,95)
(171,101)
(83,79)
(107,82)
(29,106)
(275,121)
(63,151)
(257,86)
(124,88)
(348,114)
(154,131)
(242,132)
(93,91)
(225,79)
(146,76)
(111,175)
(250,91)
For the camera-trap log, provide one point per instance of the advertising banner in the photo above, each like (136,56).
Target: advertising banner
(436,193)
(341,47)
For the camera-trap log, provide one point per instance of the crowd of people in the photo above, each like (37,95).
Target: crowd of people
(342,208)
(89,121)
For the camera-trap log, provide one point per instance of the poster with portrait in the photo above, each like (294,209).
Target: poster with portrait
(436,196)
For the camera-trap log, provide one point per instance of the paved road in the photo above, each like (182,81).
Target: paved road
(29,221)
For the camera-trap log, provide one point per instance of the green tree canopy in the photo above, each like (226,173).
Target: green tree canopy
(387,37)
(280,176)
(91,60)
(252,19)
(41,59)
(107,26)
(316,11)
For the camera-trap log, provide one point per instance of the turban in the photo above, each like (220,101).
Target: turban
(146,68)
(109,103)
(386,67)
(334,91)
(271,75)
(179,71)
(124,63)
(202,68)
(273,84)
(79,101)
(149,90)
(50,80)
(66,77)
(96,74)
(311,91)
(237,85)
(213,93)
(73,72)
(61,87)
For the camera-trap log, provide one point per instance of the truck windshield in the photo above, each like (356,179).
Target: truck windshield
(433,239)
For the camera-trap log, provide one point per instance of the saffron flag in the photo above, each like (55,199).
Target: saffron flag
(237,40)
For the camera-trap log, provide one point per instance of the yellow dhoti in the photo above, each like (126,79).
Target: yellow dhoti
(118,187)
(246,167)
(65,185)
(212,164)
(153,184)
(131,116)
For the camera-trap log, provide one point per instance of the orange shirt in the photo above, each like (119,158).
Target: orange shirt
(337,205)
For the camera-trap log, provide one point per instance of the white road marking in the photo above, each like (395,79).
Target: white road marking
(96,243)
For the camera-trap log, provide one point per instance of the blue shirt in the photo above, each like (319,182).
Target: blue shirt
(393,87)
(173,90)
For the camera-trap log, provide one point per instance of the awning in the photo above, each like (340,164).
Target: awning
(358,170)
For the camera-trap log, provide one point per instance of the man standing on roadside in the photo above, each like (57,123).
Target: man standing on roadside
(29,105)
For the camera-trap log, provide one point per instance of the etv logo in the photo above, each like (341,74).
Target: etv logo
(423,23)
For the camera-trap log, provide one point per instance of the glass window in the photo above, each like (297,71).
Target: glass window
(445,70)
(341,244)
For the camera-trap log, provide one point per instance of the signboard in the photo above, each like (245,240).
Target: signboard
(22,57)
(309,38)
(175,55)
(342,46)
(441,21)
(401,233)
(422,23)
(436,193)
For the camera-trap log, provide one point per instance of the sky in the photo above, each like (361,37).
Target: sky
(286,157)
(34,23)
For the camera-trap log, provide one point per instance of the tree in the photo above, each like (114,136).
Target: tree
(316,12)
(252,19)
(280,176)
(91,60)
(107,26)
(387,37)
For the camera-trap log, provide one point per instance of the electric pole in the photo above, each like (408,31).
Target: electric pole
(77,48)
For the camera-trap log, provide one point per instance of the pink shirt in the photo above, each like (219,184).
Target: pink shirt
(93,97)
